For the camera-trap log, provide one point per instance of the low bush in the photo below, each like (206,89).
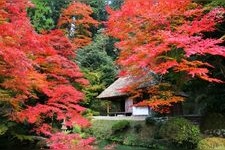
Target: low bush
(181,132)
(100,129)
(213,143)
(150,121)
(130,140)
(137,128)
(89,113)
(120,126)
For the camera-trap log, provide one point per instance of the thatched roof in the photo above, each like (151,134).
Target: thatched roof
(114,90)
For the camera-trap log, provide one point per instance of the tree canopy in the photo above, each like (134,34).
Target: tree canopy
(166,37)
(38,75)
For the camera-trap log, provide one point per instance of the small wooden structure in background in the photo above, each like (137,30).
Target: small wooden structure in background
(113,93)
(126,104)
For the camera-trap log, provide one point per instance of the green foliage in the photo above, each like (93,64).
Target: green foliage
(181,132)
(130,140)
(3,129)
(92,91)
(41,16)
(96,61)
(216,3)
(13,134)
(212,143)
(150,121)
(138,128)
(44,16)
(22,137)
(94,88)
(213,121)
(89,113)
(98,7)
(120,126)
(101,129)
(133,140)
(76,129)
(83,132)
(116,4)
(95,58)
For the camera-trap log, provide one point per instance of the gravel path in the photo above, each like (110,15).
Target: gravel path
(140,118)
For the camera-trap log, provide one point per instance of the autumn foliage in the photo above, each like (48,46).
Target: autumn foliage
(165,35)
(162,98)
(37,75)
(78,14)
(66,142)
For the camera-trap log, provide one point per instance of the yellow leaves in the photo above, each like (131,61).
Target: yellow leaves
(37,80)
(4,96)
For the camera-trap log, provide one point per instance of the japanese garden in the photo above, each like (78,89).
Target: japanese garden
(112,74)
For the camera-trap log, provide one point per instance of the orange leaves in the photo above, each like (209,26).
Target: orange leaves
(165,66)
(161,98)
(76,20)
(80,10)
(161,105)
(3,13)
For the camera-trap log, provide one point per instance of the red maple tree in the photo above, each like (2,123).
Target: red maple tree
(165,36)
(37,75)
(79,15)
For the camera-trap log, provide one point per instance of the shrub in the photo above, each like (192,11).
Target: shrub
(137,128)
(213,143)
(130,140)
(100,129)
(181,132)
(150,121)
(155,120)
(120,126)
(89,113)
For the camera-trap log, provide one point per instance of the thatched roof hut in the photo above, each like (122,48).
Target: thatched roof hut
(126,106)
(115,89)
